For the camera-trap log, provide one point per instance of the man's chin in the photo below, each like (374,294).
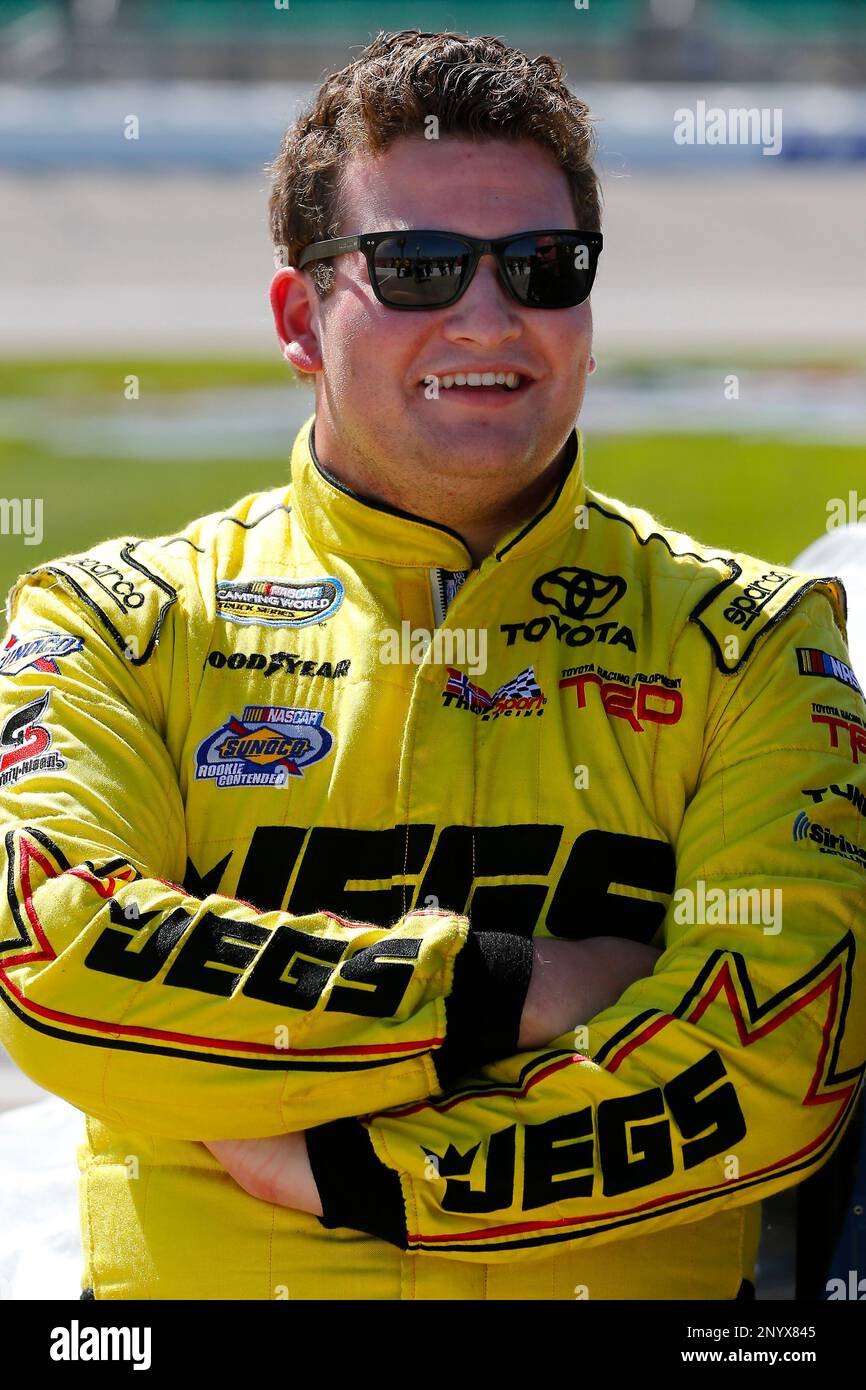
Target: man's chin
(475,458)
(464,433)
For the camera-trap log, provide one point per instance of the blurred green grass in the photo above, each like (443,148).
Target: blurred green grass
(763,495)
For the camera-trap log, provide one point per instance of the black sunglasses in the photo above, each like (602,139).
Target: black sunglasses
(430,270)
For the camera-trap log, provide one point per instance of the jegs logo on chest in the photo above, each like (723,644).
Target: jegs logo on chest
(379,875)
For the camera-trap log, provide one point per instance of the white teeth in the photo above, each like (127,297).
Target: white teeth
(511,380)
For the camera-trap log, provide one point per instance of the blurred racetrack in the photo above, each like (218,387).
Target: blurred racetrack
(763,260)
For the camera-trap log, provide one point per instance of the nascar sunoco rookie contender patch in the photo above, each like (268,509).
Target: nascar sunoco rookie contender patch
(264,748)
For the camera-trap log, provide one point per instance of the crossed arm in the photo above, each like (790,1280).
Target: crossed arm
(571,981)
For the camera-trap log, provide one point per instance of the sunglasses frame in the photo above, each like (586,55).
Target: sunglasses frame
(367,243)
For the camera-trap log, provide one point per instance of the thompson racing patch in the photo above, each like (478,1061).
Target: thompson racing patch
(278,602)
(521,695)
(264,748)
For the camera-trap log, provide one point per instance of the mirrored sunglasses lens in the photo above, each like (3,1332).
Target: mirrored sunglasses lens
(550,272)
(415,270)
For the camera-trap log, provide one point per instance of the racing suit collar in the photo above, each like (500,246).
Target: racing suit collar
(340,521)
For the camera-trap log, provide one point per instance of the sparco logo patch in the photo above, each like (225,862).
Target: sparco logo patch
(24,744)
(747,606)
(267,746)
(579,593)
(41,650)
(130,600)
(278,602)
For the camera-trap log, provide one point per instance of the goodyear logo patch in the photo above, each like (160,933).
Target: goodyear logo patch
(264,748)
(278,602)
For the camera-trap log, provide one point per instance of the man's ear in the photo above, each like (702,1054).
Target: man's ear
(593,364)
(292,304)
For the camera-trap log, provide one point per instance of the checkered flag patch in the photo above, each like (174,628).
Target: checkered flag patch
(521,687)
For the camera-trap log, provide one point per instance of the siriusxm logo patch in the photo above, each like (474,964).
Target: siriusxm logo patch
(264,748)
(826,840)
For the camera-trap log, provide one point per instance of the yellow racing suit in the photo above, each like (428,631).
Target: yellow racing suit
(286,798)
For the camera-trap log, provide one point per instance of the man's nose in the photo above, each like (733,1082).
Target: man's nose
(485,310)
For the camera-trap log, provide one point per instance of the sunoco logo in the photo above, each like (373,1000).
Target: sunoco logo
(267,746)
(41,650)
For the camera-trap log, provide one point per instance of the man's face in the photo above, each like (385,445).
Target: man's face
(372,404)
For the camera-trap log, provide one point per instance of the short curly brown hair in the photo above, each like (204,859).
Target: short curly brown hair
(473,86)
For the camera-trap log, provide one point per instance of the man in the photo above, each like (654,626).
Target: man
(349,824)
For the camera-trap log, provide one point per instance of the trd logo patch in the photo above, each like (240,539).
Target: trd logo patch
(579,593)
(270,744)
(844,728)
(41,649)
(637,700)
(24,744)
(278,602)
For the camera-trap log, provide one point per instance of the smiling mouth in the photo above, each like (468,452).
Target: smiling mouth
(482,383)
(509,381)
